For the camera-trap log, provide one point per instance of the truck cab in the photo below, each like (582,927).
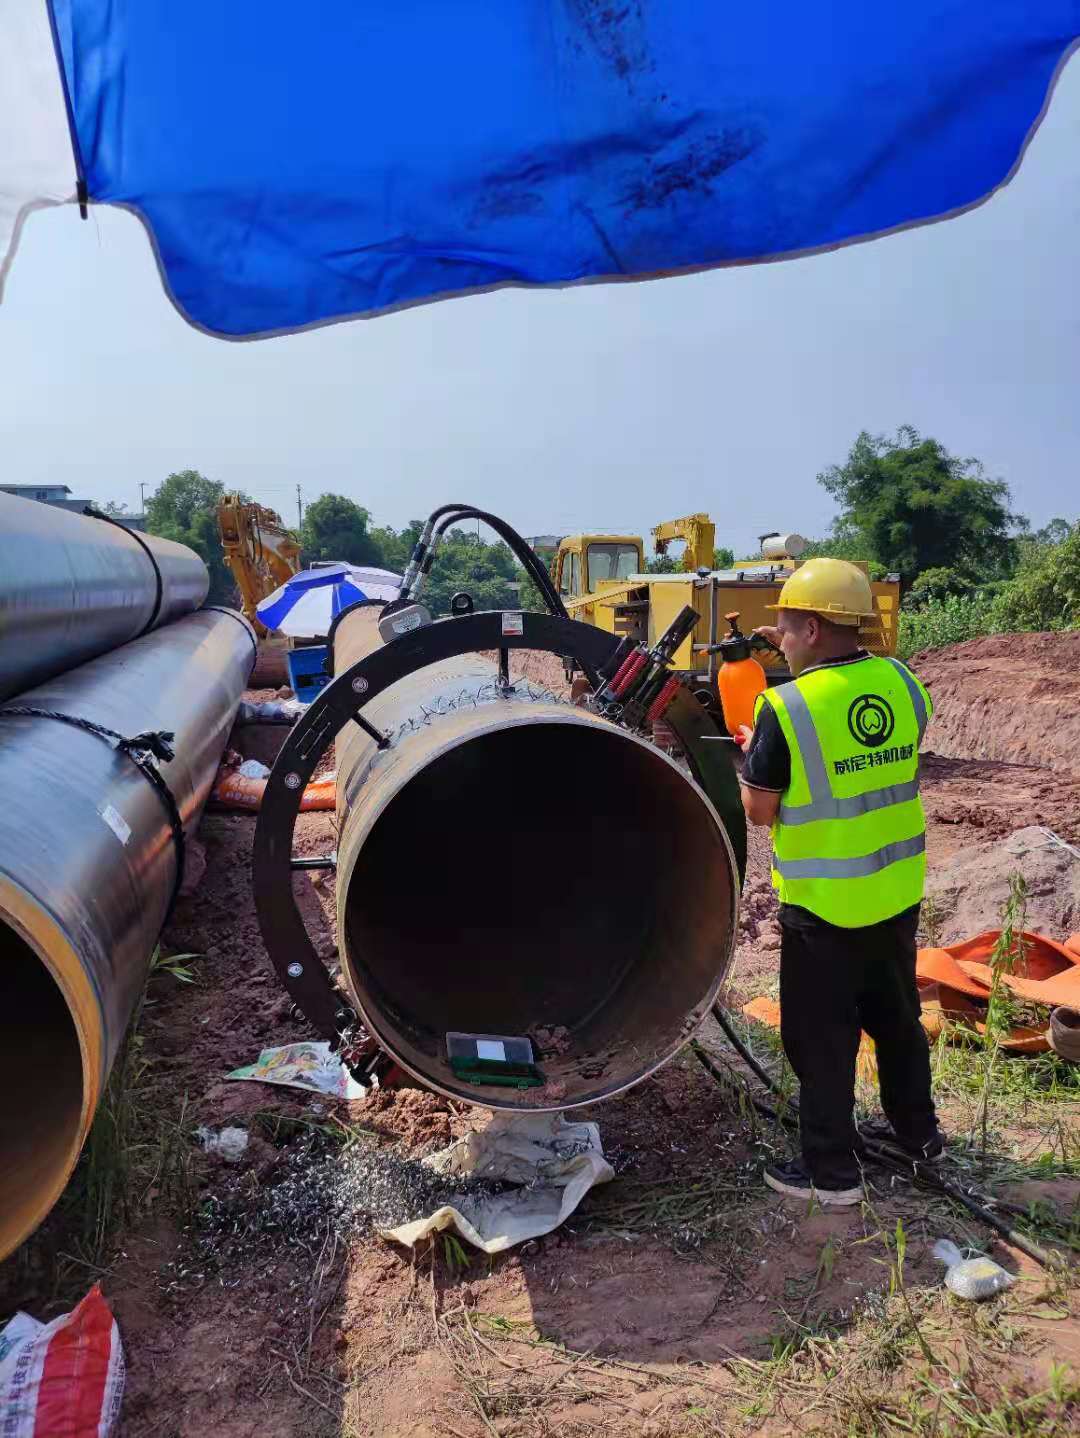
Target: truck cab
(585,563)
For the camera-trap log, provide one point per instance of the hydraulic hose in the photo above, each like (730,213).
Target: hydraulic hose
(517,545)
(926,1175)
(452,514)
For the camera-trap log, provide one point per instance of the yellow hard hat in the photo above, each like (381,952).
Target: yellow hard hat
(832,588)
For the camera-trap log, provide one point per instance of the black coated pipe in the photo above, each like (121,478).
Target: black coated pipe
(88,866)
(73,587)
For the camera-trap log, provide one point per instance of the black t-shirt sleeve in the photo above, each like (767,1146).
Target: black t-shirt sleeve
(768,760)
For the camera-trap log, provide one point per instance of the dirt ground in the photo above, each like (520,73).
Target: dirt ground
(660,1307)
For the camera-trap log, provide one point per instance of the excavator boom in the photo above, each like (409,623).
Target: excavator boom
(259,550)
(699,534)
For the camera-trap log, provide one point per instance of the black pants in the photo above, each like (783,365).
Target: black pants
(833,984)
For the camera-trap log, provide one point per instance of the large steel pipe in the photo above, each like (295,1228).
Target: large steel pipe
(72,587)
(513,866)
(88,862)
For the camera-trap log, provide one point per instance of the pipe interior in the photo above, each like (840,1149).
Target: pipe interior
(544,875)
(41,1071)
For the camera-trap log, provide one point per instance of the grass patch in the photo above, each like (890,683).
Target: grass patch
(137,1156)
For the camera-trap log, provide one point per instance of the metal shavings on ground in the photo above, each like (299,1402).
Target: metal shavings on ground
(319,1191)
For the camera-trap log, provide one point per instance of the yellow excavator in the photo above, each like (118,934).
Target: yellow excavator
(602,581)
(259,550)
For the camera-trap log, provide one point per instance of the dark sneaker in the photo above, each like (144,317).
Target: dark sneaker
(792,1180)
(877,1131)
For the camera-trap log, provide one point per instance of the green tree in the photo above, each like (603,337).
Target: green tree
(1045,593)
(115,508)
(936,584)
(337,528)
(913,506)
(723,557)
(663,564)
(1056,532)
(184,509)
(465,563)
(845,543)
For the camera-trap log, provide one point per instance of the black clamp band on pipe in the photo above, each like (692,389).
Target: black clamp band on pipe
(159,594)
(145,751)
(239,618)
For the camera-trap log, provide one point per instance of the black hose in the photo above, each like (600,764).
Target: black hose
(922,1173)
(526,556)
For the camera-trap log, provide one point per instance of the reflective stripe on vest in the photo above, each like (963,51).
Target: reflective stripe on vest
(918,703)
(857,868)
(822,804)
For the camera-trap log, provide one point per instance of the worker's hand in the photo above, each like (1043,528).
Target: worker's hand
(769,632)
(743,736)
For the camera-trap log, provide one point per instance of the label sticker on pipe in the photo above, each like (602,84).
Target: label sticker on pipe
(513,623)
(116,822)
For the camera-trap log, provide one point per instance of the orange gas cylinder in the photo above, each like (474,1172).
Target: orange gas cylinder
(741,678)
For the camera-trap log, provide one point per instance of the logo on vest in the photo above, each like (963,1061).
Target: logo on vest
(871,721)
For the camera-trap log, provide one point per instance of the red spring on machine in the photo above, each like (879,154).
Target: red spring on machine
(662,700)
(628,673)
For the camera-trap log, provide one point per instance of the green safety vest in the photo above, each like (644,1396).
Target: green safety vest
(849,841)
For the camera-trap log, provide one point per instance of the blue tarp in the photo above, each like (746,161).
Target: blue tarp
(302,162)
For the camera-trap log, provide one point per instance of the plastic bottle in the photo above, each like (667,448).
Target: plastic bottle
(741,678)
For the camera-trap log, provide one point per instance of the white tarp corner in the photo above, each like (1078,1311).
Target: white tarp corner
(37,165)
(553,1162)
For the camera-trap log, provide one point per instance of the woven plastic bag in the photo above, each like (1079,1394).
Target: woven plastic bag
(64,1377)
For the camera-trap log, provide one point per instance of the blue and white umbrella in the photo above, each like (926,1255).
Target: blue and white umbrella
(296,164)
(306,605)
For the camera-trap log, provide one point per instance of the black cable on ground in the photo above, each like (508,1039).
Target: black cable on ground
(924,1174)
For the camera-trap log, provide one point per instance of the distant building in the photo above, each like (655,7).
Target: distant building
(59,496)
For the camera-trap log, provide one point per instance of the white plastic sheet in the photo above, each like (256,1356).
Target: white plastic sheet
(553,1162)
(37,166)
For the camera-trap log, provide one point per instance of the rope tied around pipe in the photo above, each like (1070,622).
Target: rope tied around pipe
(145,750)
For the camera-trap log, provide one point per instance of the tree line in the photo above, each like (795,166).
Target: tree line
(184,508)
(969,564)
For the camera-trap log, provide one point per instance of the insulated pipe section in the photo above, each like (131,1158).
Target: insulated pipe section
(87,868)
(72,587)
(512,865)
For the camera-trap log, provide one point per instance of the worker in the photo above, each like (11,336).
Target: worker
(832,764)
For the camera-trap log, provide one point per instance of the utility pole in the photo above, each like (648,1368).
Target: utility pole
(299,509)
(142,496)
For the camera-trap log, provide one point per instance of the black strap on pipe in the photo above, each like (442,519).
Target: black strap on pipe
(92,513)
(248,630)
(145,751)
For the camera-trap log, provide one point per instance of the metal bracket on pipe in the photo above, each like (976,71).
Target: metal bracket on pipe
(284,932)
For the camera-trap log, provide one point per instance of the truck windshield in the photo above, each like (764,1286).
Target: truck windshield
(612,561)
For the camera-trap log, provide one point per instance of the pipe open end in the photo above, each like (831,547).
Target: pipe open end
(42,1073)
(556,881)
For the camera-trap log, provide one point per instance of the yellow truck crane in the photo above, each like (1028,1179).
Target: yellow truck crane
(259,550)
(602,581)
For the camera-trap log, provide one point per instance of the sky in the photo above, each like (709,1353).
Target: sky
(603,407)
